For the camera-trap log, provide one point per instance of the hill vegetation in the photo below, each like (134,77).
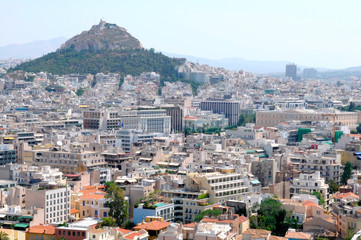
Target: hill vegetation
(123,61)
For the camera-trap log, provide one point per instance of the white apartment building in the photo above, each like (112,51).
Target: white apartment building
(148,120)
(221,186)
(128,137)
(55,200)
(330,168)
(309,183)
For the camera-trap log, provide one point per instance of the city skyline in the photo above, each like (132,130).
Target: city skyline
(317,34)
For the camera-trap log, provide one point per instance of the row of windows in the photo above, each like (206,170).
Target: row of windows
(73,233)
(56,195)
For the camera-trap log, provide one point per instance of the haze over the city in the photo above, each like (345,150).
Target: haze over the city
(309,33)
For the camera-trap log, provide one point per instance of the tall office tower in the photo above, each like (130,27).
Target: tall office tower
(291,71)
(231,109)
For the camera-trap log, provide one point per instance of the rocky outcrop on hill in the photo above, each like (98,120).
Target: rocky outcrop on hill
(103,36)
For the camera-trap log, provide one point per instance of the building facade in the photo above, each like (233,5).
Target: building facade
(231,109)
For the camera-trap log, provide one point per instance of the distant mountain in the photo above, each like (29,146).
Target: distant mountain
(103,36)
(30,50)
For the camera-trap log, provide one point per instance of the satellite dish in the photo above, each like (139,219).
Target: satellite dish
(61,137)
(59,143)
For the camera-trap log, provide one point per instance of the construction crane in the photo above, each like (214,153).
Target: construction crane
(333,115)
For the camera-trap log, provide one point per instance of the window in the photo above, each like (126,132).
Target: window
(83,234)
(59,232)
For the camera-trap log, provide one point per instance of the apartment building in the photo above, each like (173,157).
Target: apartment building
(187,204)
(77,157)
(128,137)
(265,170)
(231,109)
(162,210)
(221,186)
(309,183)
(93,205)
(330,168)
(148,120)
(55,200)
(7,154)
(273,118)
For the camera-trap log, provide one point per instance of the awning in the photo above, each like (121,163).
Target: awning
(21,225)
(255,182)
(26,217)
(174,164)
(2,215)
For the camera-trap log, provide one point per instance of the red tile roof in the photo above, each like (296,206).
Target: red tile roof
(345,195)
(42,229)
(73,211)
(133,235)
(153,225)
(124,231)
(93,196)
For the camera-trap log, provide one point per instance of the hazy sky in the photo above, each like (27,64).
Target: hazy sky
(320,33)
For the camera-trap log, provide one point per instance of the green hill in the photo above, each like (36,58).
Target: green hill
(106,48)
(125,61)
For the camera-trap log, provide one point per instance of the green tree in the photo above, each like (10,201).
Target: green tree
(272,216)
(209,213)
(351,107)
(118,207)
(80,92)
(333,186)
(129,225)
(358,128)
(347,171)
(108,221)
(4,236)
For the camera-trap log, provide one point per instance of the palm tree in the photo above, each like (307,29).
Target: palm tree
(4,236)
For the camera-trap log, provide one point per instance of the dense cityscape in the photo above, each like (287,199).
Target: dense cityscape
(104,139)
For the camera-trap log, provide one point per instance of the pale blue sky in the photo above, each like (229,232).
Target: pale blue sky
(320,33)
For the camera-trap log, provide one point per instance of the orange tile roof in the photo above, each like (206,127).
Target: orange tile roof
(93,196)
(190,225)
(153,225)
(42,229)
(345,195)
(124,231)
(90,190)
(277,238)
(355,135)
(309,203)
(73,211)
(242,219)
(298,235)
(133,235)
(216,220)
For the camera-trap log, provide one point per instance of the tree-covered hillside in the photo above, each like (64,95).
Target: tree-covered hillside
(126,61)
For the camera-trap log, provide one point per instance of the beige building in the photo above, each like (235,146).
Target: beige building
(273,118)
(77,159)
(220,186)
